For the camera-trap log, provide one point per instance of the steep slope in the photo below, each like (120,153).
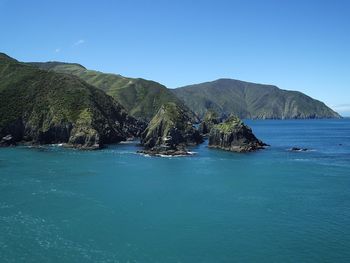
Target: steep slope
(141,98)
(210,119)
(250,100)
(170,131)
(43,107)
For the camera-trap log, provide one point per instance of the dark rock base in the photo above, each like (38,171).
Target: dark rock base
(240,149)
(165,151)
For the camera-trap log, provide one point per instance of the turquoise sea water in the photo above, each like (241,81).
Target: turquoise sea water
(61,205)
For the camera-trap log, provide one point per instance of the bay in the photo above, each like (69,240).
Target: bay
(114,205)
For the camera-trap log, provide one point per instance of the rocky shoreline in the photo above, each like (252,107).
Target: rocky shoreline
(168,134)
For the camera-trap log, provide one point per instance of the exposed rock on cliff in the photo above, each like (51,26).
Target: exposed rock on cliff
(233,135)
(210,119)
(169,132)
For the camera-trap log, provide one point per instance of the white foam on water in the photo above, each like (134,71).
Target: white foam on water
(56,144)
(128,142)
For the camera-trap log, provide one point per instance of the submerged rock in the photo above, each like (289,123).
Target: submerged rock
(233,135)
(297,149)
(164,151)
(169,132)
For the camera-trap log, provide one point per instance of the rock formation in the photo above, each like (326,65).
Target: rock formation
(233,135)
(210,119)
(169,132)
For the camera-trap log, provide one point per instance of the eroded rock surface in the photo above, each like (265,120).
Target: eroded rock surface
(233,135)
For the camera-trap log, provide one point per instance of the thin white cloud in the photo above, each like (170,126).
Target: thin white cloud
(79,42)
(57,50)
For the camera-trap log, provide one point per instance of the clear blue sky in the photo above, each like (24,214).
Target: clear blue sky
(296,45)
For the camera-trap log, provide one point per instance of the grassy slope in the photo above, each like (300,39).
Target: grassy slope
(171,115)
(141,98)
(44,100)
(250,100)
(230,125)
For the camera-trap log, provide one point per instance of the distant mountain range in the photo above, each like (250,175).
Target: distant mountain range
(143,98)
(251,101)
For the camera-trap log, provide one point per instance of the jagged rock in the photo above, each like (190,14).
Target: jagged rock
(169,132)
(7,140)
(233,135)
(210,119)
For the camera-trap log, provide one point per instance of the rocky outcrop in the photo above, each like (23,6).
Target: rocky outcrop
(233,135)
(41,107)
(169,132)
(211,118)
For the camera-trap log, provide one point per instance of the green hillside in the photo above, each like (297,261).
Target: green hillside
(42,107)
(141,98)
(250,100)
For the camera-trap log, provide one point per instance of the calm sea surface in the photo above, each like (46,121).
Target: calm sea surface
(113,205)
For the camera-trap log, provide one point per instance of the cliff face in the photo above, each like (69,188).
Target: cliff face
(170,131)
(233,135)
(251,101)
(43,107)
(210,119)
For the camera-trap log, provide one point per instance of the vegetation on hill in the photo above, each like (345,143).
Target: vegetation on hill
(46,107)
(141,98)
(252,101)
